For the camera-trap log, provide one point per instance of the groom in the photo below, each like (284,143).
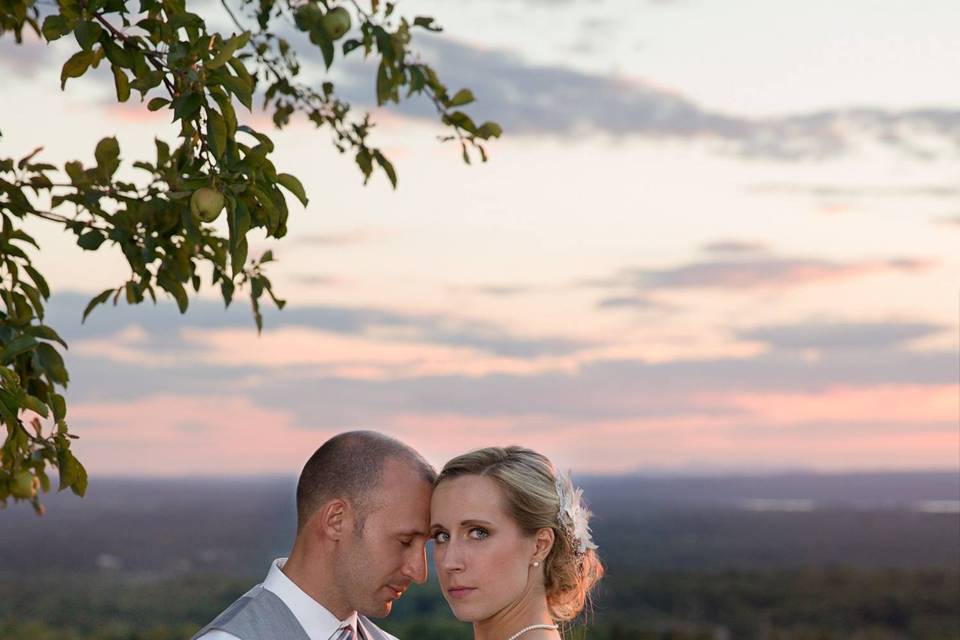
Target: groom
(363,518)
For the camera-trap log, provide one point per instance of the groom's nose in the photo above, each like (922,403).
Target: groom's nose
(415,564)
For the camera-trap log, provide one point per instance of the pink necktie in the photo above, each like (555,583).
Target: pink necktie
(343,633)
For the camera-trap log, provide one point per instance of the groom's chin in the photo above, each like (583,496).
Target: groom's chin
(380,610)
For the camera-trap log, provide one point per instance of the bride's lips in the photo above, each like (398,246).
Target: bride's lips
(460,592)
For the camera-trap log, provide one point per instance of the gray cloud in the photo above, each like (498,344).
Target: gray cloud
(610,389)
(732,266)
(603,389)
(734,246)
(859,192)
(557,101)
(317,279)
(28,58)
(840,335)
(499,290)
(334,240)
(637,302)
(163,324)
(751,273)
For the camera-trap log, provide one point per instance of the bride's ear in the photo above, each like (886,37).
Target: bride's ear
(544,543)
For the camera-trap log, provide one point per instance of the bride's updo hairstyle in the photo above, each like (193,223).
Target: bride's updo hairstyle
(535,498)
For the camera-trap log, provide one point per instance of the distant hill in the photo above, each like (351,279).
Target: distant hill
(164,528)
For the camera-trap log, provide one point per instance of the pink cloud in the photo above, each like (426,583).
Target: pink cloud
(135,112)
(879,428)
(887,403)
(174,435)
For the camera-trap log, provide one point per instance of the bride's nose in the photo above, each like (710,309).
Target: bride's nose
(451,559)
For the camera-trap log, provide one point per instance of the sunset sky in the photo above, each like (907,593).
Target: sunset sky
(715,237)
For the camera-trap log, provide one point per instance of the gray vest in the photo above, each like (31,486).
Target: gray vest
(261,615)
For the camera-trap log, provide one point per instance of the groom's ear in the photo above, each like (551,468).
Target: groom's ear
(334,519)
(544,543)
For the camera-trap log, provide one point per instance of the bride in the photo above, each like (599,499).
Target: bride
(513,549)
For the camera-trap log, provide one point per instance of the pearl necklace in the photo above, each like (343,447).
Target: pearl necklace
(531,628)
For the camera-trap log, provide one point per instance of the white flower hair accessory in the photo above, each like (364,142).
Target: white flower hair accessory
(573,516)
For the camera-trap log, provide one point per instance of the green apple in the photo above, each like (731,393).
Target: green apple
(23,486)
(306,16)
(206,203)
(337,22)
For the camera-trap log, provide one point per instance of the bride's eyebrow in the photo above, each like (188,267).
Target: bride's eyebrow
(467,523)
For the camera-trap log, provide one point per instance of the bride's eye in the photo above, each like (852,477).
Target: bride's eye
(440,537)
(478,533)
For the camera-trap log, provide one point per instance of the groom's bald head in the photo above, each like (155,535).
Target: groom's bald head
(350,466)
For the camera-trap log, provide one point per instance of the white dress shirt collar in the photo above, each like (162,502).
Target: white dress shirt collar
(319,623)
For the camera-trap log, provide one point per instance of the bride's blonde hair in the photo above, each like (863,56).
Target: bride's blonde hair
(529,483)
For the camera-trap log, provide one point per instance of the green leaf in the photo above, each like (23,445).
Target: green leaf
(117,55)
(36,405)
(239,223)
(186,19)
(52,362)
(10,377)
(294,186)
(107,154)
(91,240)
(187,106)
(461,120)
(72,473)
(79,485)
(38,280)
(59,406)
(226,288)
(23,342)
(426,22)
(462,97)
(87,33)
(74,169)
(216,133)
(320,37)
(76,66)
(54,27)
(121,83)
(9,407)
(417,80)
(240,70)
(46,333)
(387,167)
(156,104)
(384,86)
(97,300)
(489,130)
(35,299)
(226,109)
(364,162)
(174,288)
(227,49)
(239,88)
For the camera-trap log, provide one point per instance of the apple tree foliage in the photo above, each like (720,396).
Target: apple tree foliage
(169,58)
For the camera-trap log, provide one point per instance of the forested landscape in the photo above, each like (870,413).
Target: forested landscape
(786,557)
